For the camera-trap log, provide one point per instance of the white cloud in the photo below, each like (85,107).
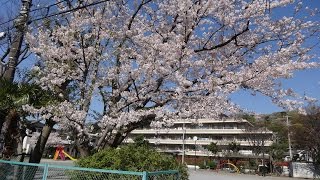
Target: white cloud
(2,35)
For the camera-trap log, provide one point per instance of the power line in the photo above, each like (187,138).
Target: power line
(47,7)
(55,14)
(38,9)
(70,10)
(8,20)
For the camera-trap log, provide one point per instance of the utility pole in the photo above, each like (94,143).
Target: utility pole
(183,140)
(195,138)
(20,24)
(289,140)
(263,142)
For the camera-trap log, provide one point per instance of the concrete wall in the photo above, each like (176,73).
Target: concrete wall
(304,170)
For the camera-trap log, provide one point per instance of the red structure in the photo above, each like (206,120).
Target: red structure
(59,152)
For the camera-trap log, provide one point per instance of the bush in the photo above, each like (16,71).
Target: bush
(203,166)
(252,164)
(133,157)
(212,165)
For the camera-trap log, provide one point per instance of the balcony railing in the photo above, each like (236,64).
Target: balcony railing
(196,131)
(199,152)
(200,142)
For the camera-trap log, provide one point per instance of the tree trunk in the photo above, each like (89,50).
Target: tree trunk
(119,137)
(2,119)
(1,135)
(20,24)
(82,147)
(38,150)
(41,143)
(10,133)
(101,142)
(18,171)
(21,135)
(122,133)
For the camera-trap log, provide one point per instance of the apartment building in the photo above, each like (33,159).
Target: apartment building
(192,137)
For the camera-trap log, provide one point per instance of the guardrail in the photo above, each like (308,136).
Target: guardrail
(31,171)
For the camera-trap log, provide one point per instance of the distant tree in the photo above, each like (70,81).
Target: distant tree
(140,141)
(256,137)
(213,148)
(305,134)
(277,150)
(234,147)
(280,132)
(276,122)
(249,118)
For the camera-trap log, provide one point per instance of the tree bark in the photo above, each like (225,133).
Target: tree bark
(21,134)
(119,137)
(20,24)
(2,119)
(82,147)
(41,143)
(123,133)
(101,142)
(10,133)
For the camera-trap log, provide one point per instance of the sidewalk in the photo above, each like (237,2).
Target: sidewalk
(210,175)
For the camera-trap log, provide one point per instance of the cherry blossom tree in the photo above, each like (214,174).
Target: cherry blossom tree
(53,140)
(129,64)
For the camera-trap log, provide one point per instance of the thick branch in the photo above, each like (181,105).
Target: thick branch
(224,43)
(122,134)
(4,55)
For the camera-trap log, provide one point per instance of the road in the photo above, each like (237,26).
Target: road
(211,175)
(57,162)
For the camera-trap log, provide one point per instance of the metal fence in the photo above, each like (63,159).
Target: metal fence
(10,170)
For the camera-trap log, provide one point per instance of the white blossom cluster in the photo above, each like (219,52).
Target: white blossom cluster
(53,140)
(170,58)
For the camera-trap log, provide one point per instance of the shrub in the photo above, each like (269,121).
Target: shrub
(252,164)
(212,165)
(133,157)
(203,165)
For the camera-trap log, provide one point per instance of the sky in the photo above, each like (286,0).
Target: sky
(306,82)
(303,82)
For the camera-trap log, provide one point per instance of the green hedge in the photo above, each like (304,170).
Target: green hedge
(133,157)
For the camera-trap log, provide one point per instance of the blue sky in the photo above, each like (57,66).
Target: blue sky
(303,82)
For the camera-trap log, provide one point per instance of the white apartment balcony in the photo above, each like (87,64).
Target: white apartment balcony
(199,142)
(211,121)
(199,152)
(223,154)
(196,131)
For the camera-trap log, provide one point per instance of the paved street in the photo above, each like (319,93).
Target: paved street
(57,162)
(212,175)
